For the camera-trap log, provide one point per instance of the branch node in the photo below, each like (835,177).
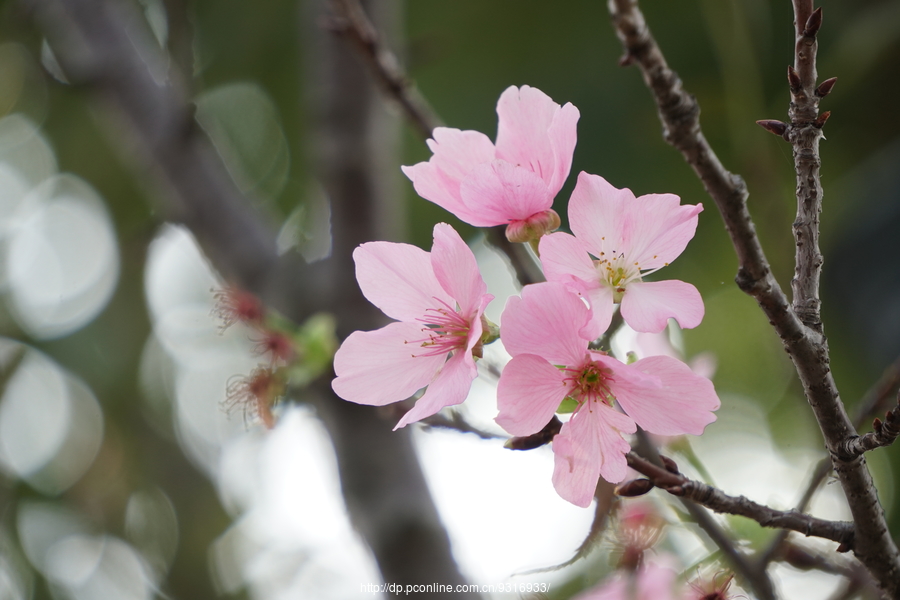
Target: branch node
(626,59)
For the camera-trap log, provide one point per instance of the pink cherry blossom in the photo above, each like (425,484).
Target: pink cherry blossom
(511,183)
(629,238)
(655,580)
(438,299)
(544,331)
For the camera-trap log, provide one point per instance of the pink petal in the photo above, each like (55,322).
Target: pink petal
(457,272)
(602,308)
(535,133)
(499,193)
(683,403)
(378,367)
(546,321)
(648,305)
(597,215)
(528,394)
(456,153)
(660,229)
(565,258)
(589,446)
(653,582)
(398,279)
(449,388)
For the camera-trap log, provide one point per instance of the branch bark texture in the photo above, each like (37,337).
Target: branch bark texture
(797,325)
(715,499)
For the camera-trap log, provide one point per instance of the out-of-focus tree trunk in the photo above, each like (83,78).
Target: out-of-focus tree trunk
(354,150)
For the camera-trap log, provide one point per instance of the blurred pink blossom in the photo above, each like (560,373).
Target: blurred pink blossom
(651,581)
(438,299)
(511,183)
(629,238)
(545,332)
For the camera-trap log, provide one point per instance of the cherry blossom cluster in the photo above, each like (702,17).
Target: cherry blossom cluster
(438,298)
(294,356)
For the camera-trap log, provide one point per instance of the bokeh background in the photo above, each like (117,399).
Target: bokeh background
(120,474)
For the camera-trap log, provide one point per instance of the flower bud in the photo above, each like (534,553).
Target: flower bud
(533,227)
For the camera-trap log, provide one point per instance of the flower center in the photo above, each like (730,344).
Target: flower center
(589,383)
(445,331)
(617,271)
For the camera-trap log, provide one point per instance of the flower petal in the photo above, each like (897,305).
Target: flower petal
(456,153)
(565,258)
(528,394)
(589,446)
(683,403)
(398,279)
(546,321)
(660,229)
(648,305)
(535,133)
(449,388)
(457,272)
(378,367)
(499,192)
(597,215)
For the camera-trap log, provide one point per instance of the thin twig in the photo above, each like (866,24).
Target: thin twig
(457,422)
(804,132)
(748,572)
(351,22)
(718,501)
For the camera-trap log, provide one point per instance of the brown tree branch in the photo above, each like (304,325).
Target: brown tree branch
(872,402)
(805,344)
(351,22)
(804,132)
(677,484)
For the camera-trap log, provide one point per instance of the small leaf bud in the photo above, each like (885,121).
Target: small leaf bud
(634,488)
(825,87)
(777,127)
(813,23)
(794,79)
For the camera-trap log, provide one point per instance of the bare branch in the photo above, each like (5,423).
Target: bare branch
(802,339)
(456,422)
(804,133)
(352,23)
(677,484)
(872,402)
(749,573)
